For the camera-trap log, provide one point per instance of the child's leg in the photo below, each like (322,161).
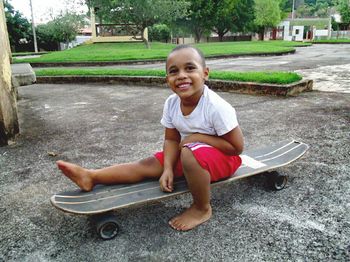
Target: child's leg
(123,173)
(198,180)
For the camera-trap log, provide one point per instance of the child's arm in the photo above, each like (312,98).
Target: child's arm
(171,154)
(230,143)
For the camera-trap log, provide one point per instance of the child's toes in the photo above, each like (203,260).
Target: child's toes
(174,224)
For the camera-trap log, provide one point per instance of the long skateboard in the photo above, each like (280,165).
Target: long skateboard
(103,199)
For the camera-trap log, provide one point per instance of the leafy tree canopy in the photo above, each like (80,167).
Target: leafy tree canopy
(200,18)
(159,32)
(344,10)
(223,16)
(65,27)
(232,15)
(18,26)
(244,16)
(267,13)
(314,8)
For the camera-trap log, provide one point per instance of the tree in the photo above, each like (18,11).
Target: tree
(223,16)
(344,10)
(103,10)
(159,32)
(141,13)
(233,16)
(321,9)
(305,11)
(65,27)
(286,7)
(45,37)
(200,18)
(267,14)
(18,26)
(314,8)
(243,16)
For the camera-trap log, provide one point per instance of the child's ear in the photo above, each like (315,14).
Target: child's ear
(206,73)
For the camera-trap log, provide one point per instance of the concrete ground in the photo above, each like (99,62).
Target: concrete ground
(99,125)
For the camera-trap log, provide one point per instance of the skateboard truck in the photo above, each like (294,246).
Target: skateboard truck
(106,225)
(276,180)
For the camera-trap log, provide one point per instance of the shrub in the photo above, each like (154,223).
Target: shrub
(159,32)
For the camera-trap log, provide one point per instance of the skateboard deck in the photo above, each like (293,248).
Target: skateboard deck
(106,198)
(103,199)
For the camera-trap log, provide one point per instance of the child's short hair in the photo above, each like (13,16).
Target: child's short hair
(199,52)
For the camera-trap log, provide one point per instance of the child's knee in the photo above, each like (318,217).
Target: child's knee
(149,162)
(150,167)
(187,158)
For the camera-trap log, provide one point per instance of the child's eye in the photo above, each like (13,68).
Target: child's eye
(172,71)
(190,68)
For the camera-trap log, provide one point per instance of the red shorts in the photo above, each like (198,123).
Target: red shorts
(219,165)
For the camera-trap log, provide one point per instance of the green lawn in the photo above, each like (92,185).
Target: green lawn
(340,40)
(258,77)
(137,51)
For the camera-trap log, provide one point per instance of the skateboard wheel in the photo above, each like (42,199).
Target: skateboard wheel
(107,227)
(278,181)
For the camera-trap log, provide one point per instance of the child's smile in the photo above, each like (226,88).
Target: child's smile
(184,86)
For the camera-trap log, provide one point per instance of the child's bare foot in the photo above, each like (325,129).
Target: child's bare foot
(77,174)
(191,218)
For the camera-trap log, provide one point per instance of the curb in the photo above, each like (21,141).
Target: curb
(30,54)
(22,74)
(219,85)
(142,62)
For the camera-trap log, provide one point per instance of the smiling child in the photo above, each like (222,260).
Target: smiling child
(202,141)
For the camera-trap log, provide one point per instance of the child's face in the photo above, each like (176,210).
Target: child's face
(186,74)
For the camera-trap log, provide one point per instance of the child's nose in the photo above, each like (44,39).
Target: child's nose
(182,74)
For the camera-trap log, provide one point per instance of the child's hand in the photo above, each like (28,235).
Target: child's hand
(166,181)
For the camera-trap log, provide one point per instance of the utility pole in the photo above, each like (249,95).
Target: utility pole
(33,28)
(293,6)
(330,23)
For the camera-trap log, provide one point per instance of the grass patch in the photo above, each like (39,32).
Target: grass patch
(98,72)
(339,40)
(102,52)
(258,77)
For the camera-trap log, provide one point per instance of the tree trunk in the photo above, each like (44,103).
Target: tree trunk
(221,36)
(262,33)
(144,39)
(198,35)
(221,33)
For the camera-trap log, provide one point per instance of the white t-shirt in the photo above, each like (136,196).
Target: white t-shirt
(212,115)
